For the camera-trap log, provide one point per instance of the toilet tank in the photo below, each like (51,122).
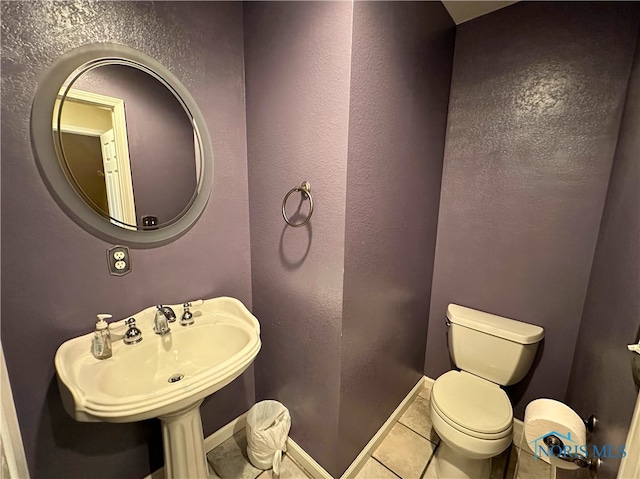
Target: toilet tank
(498,349)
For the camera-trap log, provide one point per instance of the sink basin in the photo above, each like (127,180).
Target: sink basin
(164,376)
(134,384)
(142,374)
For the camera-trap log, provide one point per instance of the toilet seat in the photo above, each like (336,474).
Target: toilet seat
(472,405)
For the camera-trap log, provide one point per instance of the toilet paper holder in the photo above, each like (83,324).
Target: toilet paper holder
(590,423)
(555,444)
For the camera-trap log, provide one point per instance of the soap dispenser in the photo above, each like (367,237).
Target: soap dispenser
(101,347)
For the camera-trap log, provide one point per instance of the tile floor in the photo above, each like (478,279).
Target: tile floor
(406,453)
(229,461)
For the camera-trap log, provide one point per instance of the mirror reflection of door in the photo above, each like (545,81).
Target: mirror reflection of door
(93,132)
(86,163)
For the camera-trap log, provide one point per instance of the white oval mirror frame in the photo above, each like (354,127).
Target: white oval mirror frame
(52,172)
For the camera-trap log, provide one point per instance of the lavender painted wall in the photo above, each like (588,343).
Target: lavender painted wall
(297,57)
(160,139)
(54,274)
(536,99)
(601,380)
(401,64)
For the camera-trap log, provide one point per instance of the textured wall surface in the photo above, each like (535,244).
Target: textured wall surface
(54,274)
(400,75)
(160,139)
(297,85)
(537,95)
(601,380)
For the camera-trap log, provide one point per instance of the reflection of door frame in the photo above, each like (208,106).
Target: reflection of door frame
(10,437)
(119,123)
(630,465)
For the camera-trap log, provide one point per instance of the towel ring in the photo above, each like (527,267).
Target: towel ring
(305,190)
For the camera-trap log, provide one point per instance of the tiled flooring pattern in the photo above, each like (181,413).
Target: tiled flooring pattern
(406,453)
(229,461)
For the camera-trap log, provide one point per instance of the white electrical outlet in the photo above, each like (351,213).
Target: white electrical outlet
(119,260)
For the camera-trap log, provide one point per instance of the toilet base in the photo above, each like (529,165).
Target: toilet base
(450,464)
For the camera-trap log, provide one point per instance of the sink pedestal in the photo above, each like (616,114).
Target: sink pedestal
(183,441)
(165,377)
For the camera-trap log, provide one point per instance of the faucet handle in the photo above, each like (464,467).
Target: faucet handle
(187,316)
(133,334)
(193,304)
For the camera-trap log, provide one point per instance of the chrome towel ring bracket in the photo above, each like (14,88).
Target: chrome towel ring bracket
(305,190)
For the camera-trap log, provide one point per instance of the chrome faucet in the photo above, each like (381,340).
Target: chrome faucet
(164,316)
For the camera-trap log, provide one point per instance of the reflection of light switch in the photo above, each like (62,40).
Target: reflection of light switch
(119,260)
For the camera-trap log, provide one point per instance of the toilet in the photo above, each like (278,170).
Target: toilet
(469,410)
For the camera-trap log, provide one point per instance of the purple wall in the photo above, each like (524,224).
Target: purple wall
(319,97)
(54,274)
(400,75)
(536,99)
(610,319)
(160,138)
(353,98)
(297,58)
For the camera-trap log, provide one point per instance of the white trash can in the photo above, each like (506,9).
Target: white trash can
(268,425)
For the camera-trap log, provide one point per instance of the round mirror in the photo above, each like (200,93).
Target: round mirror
(122,145)
(127,145)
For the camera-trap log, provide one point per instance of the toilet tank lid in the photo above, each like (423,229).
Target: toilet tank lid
(516,331)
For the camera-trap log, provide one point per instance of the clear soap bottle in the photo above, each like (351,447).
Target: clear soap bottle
(101,347)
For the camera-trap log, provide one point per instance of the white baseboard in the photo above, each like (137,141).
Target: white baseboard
(428,382)
(306,462)
(375,441)
(313,468)
(316,471)
(225,432)
(299,455)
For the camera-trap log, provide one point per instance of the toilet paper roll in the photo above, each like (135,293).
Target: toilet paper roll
(543,417)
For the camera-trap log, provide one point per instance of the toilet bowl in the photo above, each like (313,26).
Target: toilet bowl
(474,419)
(469,410)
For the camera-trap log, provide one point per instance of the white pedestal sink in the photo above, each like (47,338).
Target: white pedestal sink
(166,377)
